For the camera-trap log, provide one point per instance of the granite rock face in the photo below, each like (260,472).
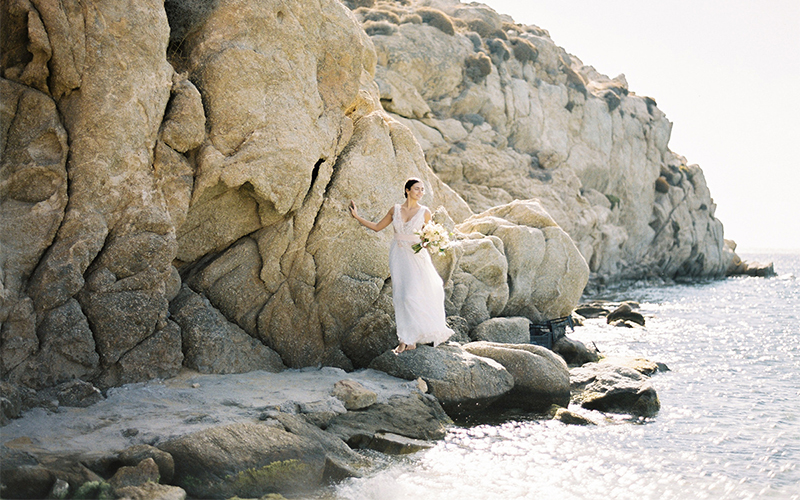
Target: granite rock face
(236,134)
(528,120)
(214,345)
(541,378)
(99,286)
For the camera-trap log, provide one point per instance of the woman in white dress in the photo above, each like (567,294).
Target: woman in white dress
(417,290)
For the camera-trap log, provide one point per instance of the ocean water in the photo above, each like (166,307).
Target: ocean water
(729,425)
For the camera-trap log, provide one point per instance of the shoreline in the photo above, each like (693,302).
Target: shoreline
(255,433)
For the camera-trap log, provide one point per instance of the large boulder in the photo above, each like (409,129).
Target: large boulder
(475,275)
(503,331)
(214,345)
(462,382)
(251,460)
(541,378)
(286,261)
(575,352)
(609,387)
(546,272)
(415,416)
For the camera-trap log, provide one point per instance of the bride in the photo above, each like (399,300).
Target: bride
(417,290)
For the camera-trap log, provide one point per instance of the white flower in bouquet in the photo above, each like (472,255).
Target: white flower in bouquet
(434,237)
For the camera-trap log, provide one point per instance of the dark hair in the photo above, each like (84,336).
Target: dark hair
(410,182)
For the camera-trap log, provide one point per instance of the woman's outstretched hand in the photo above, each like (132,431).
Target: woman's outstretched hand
(353,210)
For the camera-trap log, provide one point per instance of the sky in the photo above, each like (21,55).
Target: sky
(726,74)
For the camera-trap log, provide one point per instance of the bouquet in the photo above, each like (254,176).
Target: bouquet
(434,237)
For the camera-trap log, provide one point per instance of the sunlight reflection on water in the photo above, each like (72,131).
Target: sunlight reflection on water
(728,427)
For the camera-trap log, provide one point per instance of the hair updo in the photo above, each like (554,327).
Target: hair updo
(410,182)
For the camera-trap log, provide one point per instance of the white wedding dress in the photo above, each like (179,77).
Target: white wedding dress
(417,290)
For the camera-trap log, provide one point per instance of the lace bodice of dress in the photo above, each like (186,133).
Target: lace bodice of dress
(413,225)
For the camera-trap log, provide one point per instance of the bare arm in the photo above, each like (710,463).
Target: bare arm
(375,226)
(427,216)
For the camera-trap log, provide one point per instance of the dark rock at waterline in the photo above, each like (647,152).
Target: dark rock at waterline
(23,475)
(462,382)
(569,417)
(641,365)
(416,416)
(394,444)
(760,270)
(626,313)
(541,378)
(591,311)
(624,323)
(575,352)
(612,388)
(739,267)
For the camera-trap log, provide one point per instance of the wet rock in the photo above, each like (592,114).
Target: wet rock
(591,310)
(569,417)
(462,382)
(354,395)
(503,330)
(760,270)
(575,352)
(625,313)
(393,444)
(624,323)
(641,365)
(541,378)
(612,388)
(415,416)
(135,454)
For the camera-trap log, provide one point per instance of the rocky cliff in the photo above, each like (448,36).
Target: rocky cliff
(215,144)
